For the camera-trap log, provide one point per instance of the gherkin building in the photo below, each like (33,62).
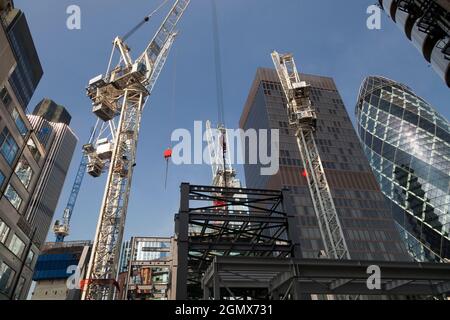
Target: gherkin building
(408,145)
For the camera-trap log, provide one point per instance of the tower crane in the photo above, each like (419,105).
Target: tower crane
(61,229)
(224,175)
(118,99)
(303,117)
(222,171)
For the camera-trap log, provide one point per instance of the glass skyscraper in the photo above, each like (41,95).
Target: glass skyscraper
(408,145)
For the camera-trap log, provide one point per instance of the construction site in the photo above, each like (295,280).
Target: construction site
(229,242)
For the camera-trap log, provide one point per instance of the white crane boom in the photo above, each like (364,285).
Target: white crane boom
(122,94)
(303,118)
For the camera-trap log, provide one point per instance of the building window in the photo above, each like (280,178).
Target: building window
(8,146)
(13,197)
(16,246)
(20,124)
(44,134)
(2,178)
(24,172)
(34,150)
(19,289)
(6,278)
(4,231)
(30,258)
(5,97)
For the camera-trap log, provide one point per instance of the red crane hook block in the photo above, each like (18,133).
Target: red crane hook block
(168,154)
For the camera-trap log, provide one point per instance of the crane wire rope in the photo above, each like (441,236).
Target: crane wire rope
(172,110)
(144,21)
(219,83)
(218,65)
(134,29)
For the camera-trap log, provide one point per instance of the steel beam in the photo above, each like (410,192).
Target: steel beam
(323,276)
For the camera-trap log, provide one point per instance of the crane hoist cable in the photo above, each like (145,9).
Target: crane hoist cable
(144,21)
(168,151)
(134,29)
(219,81)
(218,64)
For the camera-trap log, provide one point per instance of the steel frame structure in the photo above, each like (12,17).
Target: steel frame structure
(302,117)
(296,279)
(124,92)
(204,231)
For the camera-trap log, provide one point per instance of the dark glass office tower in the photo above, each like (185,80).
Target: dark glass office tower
(28,72)
(366,219)
(408,145)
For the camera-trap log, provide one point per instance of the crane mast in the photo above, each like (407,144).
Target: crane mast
(61,230)
(303,118)
(223,173)
(122,94)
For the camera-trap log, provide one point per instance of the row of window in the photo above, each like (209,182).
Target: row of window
(8,146)
(7,274)
(16,245)
(5,97)
(25,173)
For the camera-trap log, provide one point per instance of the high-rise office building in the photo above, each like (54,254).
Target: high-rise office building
(59,142)
(36,155)
(408,145)
(28,71)
(52,112)
(364,215)
(21,158)
(427,24)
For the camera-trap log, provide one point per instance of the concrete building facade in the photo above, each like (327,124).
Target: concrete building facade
(364,215)
(32,170)
(20,164)
(59,143)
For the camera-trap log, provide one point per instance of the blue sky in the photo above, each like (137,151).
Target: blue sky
(327,38)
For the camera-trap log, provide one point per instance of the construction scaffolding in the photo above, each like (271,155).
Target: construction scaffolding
(209,226)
